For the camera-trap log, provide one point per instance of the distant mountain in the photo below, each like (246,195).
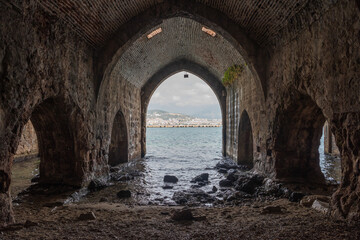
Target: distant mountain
(151,114)
(156,118)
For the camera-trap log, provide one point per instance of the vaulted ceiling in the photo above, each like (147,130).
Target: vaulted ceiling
(97,20)
(180,39)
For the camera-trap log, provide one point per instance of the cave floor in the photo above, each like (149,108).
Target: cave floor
(41,214)
(124,221)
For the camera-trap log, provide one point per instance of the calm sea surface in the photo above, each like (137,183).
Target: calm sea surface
(188,152)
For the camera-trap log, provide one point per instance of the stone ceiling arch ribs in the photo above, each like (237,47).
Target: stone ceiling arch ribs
(109,54)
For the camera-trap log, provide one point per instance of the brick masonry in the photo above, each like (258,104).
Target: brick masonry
(71,80)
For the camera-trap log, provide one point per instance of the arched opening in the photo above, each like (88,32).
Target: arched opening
(298,140)
(118,150)
(330,161)
(184,133)
(245,141)
(53,123)
(197,70)
(25,168)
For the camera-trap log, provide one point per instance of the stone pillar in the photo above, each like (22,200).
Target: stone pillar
(330,146)
(346,200)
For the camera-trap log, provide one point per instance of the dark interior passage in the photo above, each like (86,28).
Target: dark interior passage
(298,141)
(118,152)
(245,141)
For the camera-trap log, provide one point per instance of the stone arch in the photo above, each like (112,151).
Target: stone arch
(181,65)
(118,149)
(254,55)
(245,141)
(54,123)
(297,141)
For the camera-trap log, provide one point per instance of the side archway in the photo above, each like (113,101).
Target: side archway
(118,149)
(54,124)
(297,141)
(245,141)
(181,65)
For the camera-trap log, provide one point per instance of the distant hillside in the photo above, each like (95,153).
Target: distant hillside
(160,118)
(151,114)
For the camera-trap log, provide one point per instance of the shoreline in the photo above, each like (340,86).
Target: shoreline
(184,126)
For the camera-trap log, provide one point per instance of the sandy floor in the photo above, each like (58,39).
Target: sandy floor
(119,221)
(48,218)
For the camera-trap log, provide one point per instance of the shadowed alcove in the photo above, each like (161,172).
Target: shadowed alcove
(118,150)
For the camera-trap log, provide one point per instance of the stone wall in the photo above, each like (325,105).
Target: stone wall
(312,76)
(46,75)
(41,61)
(28,144)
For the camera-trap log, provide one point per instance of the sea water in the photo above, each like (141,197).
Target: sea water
(188,152)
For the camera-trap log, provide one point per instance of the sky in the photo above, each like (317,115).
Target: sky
(190,96)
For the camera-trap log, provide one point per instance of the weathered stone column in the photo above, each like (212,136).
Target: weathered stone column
(346,200)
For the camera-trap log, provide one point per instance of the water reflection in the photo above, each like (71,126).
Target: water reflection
(330,165)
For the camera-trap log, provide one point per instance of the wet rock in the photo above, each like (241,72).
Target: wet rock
(97,184)
(226,164)
(249,184)
(230,196)
(271,187)
(214,189)
(204,177)
(35,179)
(121,177)
(296,196)
(114,169)
(124,194)
(226,183)
(182,215)
(308,201)
(87,216)
(192,196)
(232,176)
(272,210)
(222,170)
(321,206)
(167,187)
(171,179)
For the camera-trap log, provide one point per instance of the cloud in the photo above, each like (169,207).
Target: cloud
(185,95)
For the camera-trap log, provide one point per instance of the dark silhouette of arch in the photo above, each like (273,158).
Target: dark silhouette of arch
(298,140)
(118,150)
(255,56)
(245,141)
(54,126)
(181,65)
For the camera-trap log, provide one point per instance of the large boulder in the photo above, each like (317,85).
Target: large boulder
(321,206)
(249,183)
(192,197)
(124,194)
(204,177)
(226,183)
(97,184)
(296,196)
(226,164)
(170,179)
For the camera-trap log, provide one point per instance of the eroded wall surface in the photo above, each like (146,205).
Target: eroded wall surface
(28,144)
(312,76)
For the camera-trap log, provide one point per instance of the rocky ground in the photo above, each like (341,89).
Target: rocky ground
(243,206)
